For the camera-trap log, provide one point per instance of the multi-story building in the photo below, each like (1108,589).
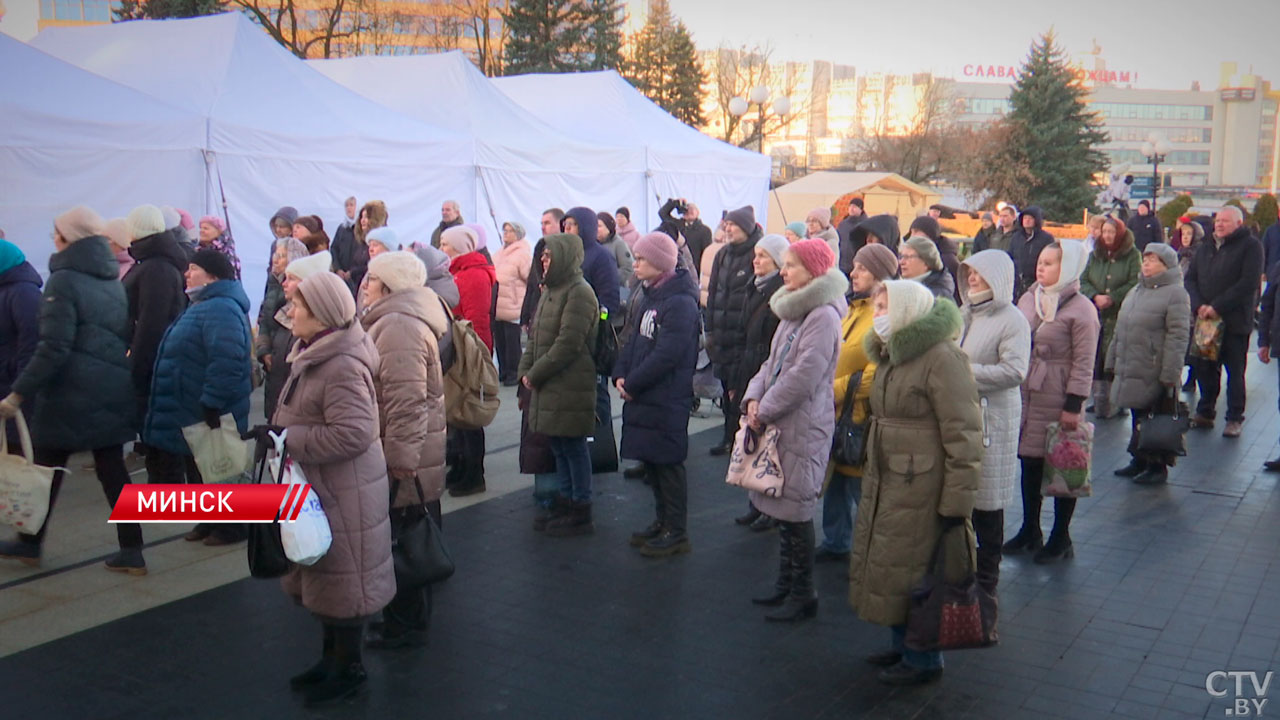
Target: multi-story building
(1224,137)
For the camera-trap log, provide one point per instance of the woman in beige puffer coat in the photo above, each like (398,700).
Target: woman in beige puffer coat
(330,410)
(406,321)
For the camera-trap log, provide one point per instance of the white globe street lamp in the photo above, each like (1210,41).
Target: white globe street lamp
(738,107)
(759,94)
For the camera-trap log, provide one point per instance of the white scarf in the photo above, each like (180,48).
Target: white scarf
(1073,261)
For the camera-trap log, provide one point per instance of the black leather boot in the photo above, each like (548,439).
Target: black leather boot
(1029,538)
(347,674)
(1135,468)
(781,586)
(1059,545)
(750,517)
(802,601)
(316,674)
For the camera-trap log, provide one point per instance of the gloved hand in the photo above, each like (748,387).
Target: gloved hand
(10,406)
(261,432)
(212,417)
(950,522)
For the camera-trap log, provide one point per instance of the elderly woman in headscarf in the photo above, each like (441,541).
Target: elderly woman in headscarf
(330,410)
(818,225)
(924,462)
(271,346)
(1064,343)
(512,268)
(213,234)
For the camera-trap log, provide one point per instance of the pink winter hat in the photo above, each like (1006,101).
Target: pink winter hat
(187,223)
(815,254)
(78,223)
(657,249)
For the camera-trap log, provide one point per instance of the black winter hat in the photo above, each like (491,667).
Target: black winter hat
(214,263)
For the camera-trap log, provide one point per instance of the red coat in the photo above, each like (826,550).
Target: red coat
(474,277)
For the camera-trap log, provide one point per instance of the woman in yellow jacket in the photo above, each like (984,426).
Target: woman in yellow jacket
(871,266)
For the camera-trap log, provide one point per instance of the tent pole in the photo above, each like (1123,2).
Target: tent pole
(493,216)
(211,159)
(780,210)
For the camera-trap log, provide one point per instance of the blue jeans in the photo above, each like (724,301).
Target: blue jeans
(843,492)
(546,486)
(914,658)
(573,467)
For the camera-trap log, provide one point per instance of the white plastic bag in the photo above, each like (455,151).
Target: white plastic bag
(306,539)
(220,454)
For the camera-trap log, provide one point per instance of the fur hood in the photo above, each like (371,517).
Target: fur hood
(827,289)
(940,324)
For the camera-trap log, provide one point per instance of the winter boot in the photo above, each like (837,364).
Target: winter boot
(128,560)
(1059,545)
(347,674)
(781,586)
(576,521)
(1135,468)
(802,601)
(1029,538)
(559,506)
(316,674)
(1155,474)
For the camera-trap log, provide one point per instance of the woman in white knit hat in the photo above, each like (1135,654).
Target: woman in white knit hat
(406,321)
(924,462)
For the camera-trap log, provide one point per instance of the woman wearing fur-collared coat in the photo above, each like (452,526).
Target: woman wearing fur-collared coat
(793,392)
(923,466)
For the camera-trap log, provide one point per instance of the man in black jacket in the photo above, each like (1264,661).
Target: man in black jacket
(697,236)
(1145,226)
(450,216)
(1025,247)
(350,255)
(732,278)
(156,291)
(848,247)
(1222,281)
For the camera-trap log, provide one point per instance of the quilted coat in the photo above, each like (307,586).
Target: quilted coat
(1113,274)
(799,401)
(1150,342)
(203,361)
(557,359)
(924,461)
(512,267)
(475,277)
(405,327)
(1060,375)
(79,372)
(657,367)
(330,409)
(997,339)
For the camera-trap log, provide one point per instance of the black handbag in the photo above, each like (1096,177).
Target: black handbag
(1161,433)
(950,616)
(849,441)
(603,447)
(265,550)
(417,546)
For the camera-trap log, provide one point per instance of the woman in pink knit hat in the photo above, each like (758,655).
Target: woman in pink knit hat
(793,392)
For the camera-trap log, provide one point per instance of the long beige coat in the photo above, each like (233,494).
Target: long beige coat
(329,407)
(405,327)
(924,461)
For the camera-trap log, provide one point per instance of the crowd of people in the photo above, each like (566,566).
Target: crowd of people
(956,370)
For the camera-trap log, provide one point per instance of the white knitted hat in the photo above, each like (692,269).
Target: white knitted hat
(310,265)
(398,270)
(908,301)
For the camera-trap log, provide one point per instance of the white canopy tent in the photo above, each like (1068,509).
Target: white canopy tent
(602,107)
(279,132)
(881,192)
(71,137)
(523,165)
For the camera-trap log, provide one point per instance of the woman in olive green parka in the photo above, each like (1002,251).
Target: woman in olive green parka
(558,368)
(1112,271)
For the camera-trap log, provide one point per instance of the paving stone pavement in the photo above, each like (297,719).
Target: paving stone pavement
(1168,585)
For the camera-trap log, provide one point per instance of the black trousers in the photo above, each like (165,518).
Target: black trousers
(1234,356)
(108,463)
(465,455)
(670,495)
(732,413)
(1063,508)
(409,609)
(988,525)
(506,341)
(166,468)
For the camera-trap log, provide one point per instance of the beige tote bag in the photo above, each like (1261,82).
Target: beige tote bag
(24,486)
(220,454)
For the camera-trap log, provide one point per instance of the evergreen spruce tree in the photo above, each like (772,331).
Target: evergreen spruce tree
(664,65)
(158,9)
(546,36)
(1057,132)
(1265,211)
(604,35)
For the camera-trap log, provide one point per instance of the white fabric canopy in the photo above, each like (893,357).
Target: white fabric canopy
(604,108)
(280,132)
(524,165)
(70,137)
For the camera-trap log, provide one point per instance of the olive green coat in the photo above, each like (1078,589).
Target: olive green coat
(557,359)
(1114,275)
(924,461)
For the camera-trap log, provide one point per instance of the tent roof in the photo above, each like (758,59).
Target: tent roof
(839,183)
(260,99)
(50,102)
(603,107)
(448,91)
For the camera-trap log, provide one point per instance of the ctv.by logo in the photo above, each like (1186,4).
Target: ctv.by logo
(1218,684)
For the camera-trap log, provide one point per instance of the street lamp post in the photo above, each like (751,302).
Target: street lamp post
(1155,149)
(759,96)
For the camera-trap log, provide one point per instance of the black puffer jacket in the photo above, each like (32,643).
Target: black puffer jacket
(1025,248)
(884,227)
(1227,278)
(79,374)
(760,323)
(732,279)
(848,245)
(155,290)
